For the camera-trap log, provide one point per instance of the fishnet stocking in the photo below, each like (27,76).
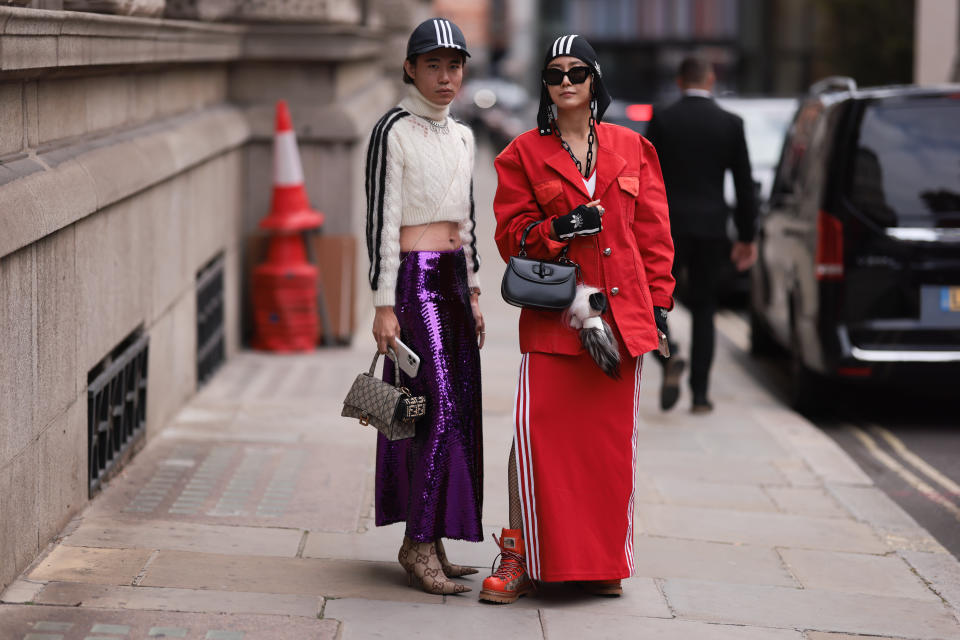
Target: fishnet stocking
(516,515)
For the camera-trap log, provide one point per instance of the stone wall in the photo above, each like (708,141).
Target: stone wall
(132,151)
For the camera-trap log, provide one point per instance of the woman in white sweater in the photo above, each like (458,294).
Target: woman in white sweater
(423,274)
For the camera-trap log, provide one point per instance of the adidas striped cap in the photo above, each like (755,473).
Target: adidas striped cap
(436,33)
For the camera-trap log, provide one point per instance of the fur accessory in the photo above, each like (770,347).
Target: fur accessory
(597,338)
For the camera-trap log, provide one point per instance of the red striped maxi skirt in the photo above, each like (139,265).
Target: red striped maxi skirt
(576,447)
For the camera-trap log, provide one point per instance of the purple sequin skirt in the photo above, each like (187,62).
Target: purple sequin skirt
(434,481)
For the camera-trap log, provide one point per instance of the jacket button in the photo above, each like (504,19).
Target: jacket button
(614,291)
(607,251)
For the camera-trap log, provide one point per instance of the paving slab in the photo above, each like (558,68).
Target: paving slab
(21,592)
(806,502)
(641,597)
(575,625)
(765,529)
(184,536)
(381,544)
(822,635)
(93,566)
(719,562)
(855,573)
(709,468)
(362,619)
(189,600)
(941,570)
(24,622)
(328,578)
(746,497)
(298,486)
(811,609)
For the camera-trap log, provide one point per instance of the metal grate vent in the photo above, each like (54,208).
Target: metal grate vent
(210,341)
(116,406)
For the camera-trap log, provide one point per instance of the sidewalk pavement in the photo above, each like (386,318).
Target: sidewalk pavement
(250,516)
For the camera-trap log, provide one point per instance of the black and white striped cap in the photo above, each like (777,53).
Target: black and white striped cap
(578,47)
(436,33)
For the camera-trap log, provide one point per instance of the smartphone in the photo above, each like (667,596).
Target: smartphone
(409,360)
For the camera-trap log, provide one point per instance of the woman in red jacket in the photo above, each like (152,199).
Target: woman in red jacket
(593,189)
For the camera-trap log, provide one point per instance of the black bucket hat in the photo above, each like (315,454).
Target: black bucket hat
(578,47)
(436,33)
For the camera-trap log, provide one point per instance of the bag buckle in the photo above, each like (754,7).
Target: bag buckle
(542,269)
(364,419)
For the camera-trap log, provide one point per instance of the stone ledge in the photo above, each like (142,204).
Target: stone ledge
(83,178)
(35,40)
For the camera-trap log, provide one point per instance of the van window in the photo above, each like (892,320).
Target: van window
(797,143)
(906,170)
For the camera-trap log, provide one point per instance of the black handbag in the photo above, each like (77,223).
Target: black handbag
(390,408)
(539,284)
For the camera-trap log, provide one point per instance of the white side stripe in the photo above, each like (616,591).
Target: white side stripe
(555,43)
(570,44)
(436,27)
(449,32)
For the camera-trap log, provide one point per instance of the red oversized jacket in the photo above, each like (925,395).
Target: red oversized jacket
(630,259)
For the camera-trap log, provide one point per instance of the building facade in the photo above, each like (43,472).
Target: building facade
(135,163)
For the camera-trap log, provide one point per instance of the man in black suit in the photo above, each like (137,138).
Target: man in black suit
(697,142)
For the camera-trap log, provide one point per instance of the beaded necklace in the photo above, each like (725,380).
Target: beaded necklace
(591,137)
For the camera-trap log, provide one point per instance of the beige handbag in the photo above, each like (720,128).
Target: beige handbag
(389,408)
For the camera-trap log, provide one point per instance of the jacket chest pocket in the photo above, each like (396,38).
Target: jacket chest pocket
(550,197)
(628,188)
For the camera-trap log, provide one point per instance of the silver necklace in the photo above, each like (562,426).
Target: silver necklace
(441,127)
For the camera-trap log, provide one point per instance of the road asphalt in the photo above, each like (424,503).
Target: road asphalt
(250,516)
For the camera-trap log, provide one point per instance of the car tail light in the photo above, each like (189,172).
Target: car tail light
(829,247)
(640,112)
(855,372)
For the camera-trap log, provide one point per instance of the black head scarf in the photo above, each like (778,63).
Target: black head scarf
(578,47)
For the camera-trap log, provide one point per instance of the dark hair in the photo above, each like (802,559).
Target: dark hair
(694,70)
(412,59)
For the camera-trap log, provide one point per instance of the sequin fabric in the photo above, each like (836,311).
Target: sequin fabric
(434,481)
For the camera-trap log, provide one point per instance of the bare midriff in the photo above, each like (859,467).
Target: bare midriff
(438,236)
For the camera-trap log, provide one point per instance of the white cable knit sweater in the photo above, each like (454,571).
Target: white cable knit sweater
(417,173)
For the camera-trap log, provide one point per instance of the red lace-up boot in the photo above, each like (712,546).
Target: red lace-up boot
(510,580)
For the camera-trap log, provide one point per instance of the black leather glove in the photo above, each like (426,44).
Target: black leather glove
(582,221)
(660,317)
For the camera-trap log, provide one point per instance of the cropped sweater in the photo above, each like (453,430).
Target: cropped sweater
(417,173)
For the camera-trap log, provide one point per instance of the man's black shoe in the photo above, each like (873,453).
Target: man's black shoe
(670,387)
(701,405)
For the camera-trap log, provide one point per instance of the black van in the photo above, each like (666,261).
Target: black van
(858,273)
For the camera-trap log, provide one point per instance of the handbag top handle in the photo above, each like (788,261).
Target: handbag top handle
(523,241)
(396,365)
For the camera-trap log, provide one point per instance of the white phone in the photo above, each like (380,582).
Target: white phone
(409,360)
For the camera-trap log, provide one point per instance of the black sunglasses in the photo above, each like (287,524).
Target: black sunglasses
(577,75)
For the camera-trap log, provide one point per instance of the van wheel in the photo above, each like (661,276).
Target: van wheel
(761,342)
(808,394)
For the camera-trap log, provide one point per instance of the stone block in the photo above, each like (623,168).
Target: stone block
(806,502)
(940,570)
(112,297)
(18,503)
(145,8)
(56,324)
(192,600)
(172,375)
(63,487)
(325,173)
(17,356)
(166,218)
(571,625)
(183,90)
(31,114)
(855,573)
(117,171)
(329,578)
(716,562)
(62,108)
(765,529)
(394,619)
(207,10)
(185,536)
(107,100)
(27,51)
(91,566)
(11,114)
(300,84)
(144,95)
(812,609)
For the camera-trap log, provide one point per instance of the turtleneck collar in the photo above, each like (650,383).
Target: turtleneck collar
(418,105)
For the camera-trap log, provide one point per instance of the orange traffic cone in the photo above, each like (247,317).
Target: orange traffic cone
(290,210)
(285,286)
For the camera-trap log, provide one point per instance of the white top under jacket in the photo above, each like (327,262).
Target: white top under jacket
(417,173)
